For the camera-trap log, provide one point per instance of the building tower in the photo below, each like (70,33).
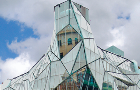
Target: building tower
(74,62)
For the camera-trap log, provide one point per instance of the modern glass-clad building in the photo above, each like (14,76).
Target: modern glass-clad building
(74,62)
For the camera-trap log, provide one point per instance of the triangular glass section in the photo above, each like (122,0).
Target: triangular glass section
(91,56)
(86,34)
(83,11)
(89,81)
(44,73)
(52,56)
(97,70)
(78,77)
(73,20)
(122,78)
(61,16)
(53,45)
(69,58)
(58,73)
(84,79)
(91,45)
(67,39)
(67,84)
(80,60)
(113,81)
(82,22)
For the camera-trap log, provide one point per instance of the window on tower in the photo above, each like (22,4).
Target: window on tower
(69,41)
(76,41)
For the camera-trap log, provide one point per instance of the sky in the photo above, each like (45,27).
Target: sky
(26,28)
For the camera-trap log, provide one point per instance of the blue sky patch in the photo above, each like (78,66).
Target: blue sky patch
(124,17)
(120,17)
(127,17)
(9,31)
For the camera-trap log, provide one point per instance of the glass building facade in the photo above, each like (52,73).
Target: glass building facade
(74,62)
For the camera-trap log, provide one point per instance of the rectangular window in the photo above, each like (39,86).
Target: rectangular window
(61,55)
(76,41)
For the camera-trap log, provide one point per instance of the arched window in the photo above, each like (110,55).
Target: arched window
(76,40)
(69,41)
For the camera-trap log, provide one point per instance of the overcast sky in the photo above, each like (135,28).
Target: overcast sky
(26,28)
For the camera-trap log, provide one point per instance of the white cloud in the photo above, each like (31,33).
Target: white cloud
(119,38)
(14,67)
(35,47)
(29,52)
(37,14)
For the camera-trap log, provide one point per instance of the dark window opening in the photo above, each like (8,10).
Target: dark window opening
(76,40)
(61,55)
(69,41)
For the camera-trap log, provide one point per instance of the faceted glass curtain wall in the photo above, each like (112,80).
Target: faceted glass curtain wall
(80,80)
(74,62)
(67,39)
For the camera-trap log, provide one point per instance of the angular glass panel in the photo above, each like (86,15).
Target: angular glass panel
(68,84)
(90,44)
(61,23)
(97,72)
(89,28)
(54,44)
(47,81)
(75,9)
(134,77)
(108,83)
(78,17)
(61,16)
(122,78)
(58,73)
(78,77)
(122,86)
(86,34)
(69,59)
(81,19)
(35,86)
(84,79)
(61,10)
(91,56)
(56,12)
(89,81)
(44,73)
(138,84)
(83,10)
(43,82)
(80,59)
(101,53)
(83,23)
(63,7)
(67,37)
(52,56)
(73,21)
(127,66)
